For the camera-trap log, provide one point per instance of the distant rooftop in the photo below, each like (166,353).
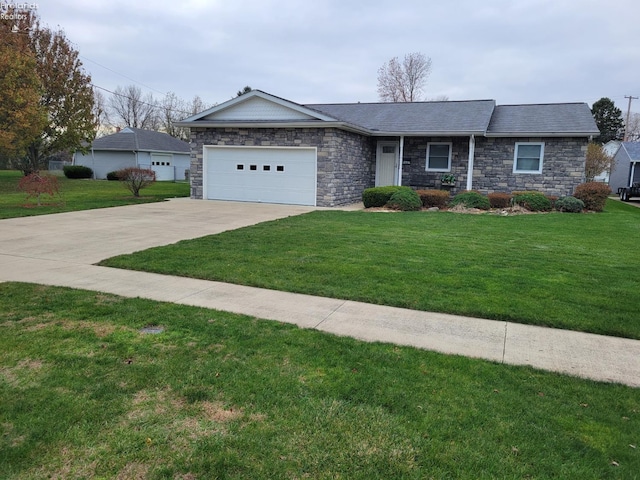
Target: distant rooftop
(137,139)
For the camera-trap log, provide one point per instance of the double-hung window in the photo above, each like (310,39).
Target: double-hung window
(438,157)
(528,157)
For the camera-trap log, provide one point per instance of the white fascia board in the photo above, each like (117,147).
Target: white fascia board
(293,124)
(379,133)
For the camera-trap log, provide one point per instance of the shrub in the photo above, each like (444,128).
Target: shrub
(434,198)
(112,176)
(593,194)
(77,171)
(378,196)
(471,199)
(406,200)
(36,185)
(533,201)
(569,204)
(135,179)
(499,200)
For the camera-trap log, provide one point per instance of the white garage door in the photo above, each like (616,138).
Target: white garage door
(260,174)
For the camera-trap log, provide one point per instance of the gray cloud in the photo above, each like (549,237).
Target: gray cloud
(521,51)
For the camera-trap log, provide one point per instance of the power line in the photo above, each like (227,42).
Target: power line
(138,100)
(123,75)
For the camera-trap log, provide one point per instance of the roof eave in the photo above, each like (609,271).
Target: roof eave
(381,133)
(280,124)
(541,134)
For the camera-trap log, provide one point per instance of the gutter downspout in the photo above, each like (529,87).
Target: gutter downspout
(93,163)
(472,152)
(401,155)
(633,174)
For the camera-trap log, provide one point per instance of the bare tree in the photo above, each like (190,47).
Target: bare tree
(633,129)
(197,105)
(404,81)
(170,110)
(597,161)
(128,107)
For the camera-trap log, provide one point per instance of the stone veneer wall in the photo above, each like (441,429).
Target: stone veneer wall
(346,161)
(414,168)
(562,167)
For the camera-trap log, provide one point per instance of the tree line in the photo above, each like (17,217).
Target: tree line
(49,106)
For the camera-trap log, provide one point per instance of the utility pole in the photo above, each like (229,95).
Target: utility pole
(626,123)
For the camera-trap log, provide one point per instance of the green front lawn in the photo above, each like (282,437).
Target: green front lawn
(574,271)
(79,195)
(85,394)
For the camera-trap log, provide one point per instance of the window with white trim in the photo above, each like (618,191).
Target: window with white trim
(528,157)
(438,157)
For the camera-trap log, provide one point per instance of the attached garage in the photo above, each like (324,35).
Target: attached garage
(260,174)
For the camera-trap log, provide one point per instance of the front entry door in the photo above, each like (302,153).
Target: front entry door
(386,163)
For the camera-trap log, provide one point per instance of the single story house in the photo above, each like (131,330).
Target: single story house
(261,148)
(626,166)
(169,157)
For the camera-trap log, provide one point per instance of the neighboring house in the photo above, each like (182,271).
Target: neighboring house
(610,148)
(262,148)
(626,166)
(169,157)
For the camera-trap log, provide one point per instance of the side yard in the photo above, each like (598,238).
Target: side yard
(573,271)
(79,195)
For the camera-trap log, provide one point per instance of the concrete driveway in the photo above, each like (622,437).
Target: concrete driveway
(61,250)
(89,236)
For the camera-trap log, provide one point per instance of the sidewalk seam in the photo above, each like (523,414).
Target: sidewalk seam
(315,327)
(504,344)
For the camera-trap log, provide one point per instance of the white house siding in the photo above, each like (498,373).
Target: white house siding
(103,162)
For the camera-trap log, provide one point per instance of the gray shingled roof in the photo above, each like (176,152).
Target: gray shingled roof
(137,139)
(633,149)
(555,118)
(464,117)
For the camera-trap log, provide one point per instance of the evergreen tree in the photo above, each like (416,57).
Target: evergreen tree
(608,118)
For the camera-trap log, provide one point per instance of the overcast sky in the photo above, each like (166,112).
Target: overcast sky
(326,51)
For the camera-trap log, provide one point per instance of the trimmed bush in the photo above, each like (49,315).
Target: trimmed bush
(135,179)
(113,176)
(471,199)
(406,199)
(532,201)
(77,171)
(378,196)
(569,204)
(434,198)
(593,194)
(499,200)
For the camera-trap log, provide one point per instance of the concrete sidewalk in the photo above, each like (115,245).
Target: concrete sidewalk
(25,259)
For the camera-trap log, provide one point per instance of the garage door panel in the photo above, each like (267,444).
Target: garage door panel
(259,174)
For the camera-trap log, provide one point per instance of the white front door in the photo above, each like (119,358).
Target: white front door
(386,163)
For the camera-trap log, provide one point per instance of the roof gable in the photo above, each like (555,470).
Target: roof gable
(632,149)
(257,106)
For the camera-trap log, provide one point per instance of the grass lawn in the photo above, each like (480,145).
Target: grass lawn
(79,195)
(85,394)
(573,271)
